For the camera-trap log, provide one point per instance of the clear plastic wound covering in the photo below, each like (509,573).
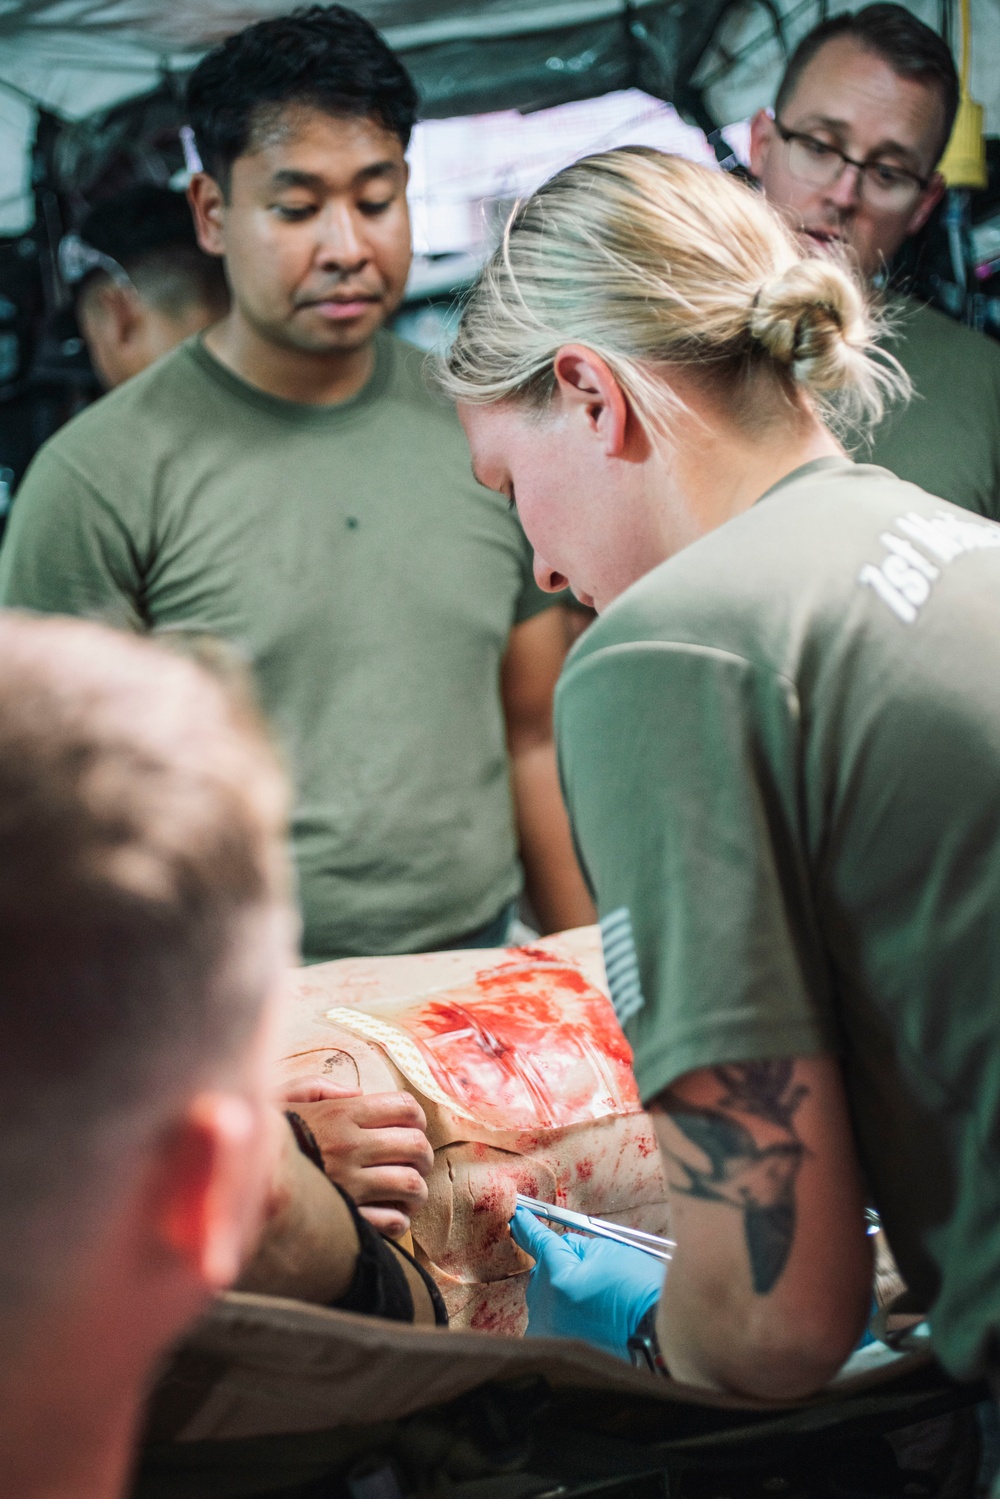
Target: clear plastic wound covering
(527,1045)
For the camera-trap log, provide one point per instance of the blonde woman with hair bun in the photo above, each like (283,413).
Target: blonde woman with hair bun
(653,261)
(780,758)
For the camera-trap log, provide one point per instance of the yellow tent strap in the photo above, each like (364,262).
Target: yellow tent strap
(966,43)
(964,161)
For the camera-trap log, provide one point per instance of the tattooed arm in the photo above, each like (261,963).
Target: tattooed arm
(771,1280)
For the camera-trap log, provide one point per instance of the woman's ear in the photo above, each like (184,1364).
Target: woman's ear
(587,386)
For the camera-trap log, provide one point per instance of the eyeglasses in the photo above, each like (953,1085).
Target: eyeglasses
(819,164)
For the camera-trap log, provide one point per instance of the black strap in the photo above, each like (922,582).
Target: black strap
(305,1139)
(644,1346)
(437,1301)
(380,1287)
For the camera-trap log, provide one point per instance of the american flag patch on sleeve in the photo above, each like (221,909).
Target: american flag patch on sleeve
(621,964)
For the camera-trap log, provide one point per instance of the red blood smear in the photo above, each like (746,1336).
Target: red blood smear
(501,978)
(487,1318)
(527,1045)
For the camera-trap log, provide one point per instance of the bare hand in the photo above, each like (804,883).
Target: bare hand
(313,1090)
(373,1145)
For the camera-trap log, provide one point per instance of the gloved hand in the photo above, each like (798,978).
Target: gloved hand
(586,1288)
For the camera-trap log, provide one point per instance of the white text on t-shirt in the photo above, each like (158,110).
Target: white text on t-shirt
(903,579)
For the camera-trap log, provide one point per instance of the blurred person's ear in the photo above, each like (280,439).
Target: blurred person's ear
(762,137)
(212,1168)
(208,203)
(113,322)
(212,1171)
(927,202)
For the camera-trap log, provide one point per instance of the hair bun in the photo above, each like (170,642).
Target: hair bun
(653,261)
(811,318)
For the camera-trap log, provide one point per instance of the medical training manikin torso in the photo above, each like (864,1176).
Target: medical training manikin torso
(518,1060)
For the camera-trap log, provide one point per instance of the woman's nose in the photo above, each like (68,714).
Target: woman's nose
(548,580)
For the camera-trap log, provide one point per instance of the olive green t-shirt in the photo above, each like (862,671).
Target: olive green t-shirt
(947,439)
(781,756)
(348,554)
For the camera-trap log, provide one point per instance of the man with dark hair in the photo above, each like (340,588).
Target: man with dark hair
(327,58)
(145,934)
(288,483)
(143,284)
(862,117)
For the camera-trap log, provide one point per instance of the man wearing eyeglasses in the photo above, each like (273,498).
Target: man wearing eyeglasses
(861,120)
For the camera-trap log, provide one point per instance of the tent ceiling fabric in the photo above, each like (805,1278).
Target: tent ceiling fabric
(179,26)
(466,57)
(78,57)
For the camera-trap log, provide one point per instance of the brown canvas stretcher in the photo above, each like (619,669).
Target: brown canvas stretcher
(271,1397)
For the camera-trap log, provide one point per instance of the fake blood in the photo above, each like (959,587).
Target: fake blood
(527,1045)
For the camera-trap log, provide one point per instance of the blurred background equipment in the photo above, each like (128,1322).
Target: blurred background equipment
(90,108)
(965,170)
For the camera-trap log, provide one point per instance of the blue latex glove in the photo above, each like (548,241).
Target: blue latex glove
(586,1288)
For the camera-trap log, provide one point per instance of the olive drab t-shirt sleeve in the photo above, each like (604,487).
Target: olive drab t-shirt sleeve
(66,551)
(947,438)
(679,768)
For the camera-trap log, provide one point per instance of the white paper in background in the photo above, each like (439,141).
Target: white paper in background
(463,170)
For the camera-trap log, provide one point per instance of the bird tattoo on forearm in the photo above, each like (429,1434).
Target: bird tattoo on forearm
(757,1178)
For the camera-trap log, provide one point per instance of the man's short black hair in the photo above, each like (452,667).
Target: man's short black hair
(911,49)
(148,230)
(323,56)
